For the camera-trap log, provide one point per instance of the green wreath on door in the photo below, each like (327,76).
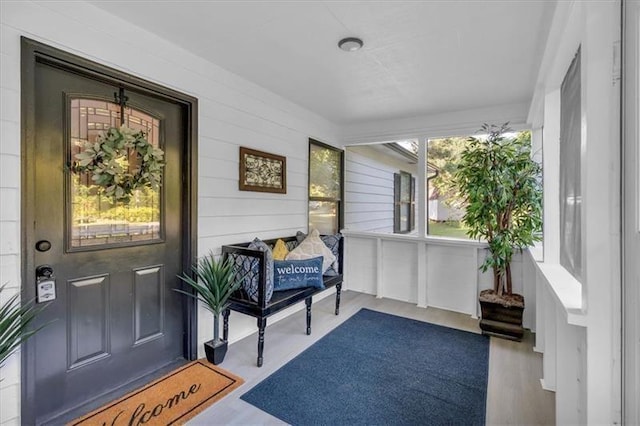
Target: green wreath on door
(107,161)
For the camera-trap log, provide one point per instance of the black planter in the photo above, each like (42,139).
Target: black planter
(215,350)
(501,321)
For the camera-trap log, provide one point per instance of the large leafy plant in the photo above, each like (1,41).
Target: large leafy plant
(14,323)
(214,281)
(500,184)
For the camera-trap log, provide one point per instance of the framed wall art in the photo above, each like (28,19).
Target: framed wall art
(262,172)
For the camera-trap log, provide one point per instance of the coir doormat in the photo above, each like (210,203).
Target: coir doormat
(170,400)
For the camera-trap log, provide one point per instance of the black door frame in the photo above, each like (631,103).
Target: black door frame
(33,52)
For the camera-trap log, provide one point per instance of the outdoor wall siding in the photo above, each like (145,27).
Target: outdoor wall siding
(232,112)
(368,189)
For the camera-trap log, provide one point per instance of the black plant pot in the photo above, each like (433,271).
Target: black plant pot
(215,350)
(501,321)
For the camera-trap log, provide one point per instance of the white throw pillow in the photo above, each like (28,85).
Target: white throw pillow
(311,247)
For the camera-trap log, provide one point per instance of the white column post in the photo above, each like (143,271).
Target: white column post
(423,295)
(551,170)
(600,182)
(422,188)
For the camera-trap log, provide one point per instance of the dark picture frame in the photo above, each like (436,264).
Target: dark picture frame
(262,172)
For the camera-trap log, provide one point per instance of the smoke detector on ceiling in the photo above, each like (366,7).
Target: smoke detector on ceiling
(350,44)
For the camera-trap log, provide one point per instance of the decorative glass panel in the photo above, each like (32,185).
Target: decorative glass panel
(95,218)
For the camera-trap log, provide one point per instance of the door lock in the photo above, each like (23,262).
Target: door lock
(45,284)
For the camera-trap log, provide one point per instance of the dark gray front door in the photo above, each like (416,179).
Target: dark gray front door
(115,317)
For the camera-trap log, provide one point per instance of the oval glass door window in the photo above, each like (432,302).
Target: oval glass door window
(95,219)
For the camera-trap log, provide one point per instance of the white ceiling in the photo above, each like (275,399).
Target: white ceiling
(419,58)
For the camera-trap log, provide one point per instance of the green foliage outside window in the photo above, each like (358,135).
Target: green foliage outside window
(324,172)
(92,207)
(445,154)
(325,182)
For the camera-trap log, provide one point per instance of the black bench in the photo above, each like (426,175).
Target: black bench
(241,302)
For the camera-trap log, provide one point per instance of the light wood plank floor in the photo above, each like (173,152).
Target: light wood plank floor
(514,392)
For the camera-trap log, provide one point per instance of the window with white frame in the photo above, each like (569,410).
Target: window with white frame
(445,207)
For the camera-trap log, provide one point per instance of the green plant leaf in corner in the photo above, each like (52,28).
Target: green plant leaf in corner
(15,321)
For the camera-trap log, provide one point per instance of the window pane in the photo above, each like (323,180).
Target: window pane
(445,207)
(96,219)
(570,187)
(404,217)
(323,216)
(324,172)
(405,188)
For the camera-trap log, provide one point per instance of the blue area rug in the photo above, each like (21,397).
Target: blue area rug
(381,369)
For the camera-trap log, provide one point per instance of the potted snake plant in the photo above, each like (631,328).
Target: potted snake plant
(214,280)
(500,184)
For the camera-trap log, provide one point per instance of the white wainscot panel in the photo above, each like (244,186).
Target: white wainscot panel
(399,271)
(528,272)
(561,336)
(485,279)
(361,265)
(451,278)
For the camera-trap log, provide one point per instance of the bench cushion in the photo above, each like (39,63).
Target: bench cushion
(313,246)
(333,243)
(280,250)
(251,267)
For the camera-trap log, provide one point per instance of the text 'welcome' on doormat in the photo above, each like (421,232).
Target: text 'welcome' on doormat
(377,368)
(170,400)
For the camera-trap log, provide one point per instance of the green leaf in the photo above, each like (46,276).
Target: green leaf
(214,280)
(15,323)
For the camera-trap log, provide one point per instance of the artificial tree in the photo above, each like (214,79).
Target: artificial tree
(501,187)
(214,281)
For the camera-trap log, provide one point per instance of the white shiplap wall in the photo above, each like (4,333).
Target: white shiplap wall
(232,112)
(368,188)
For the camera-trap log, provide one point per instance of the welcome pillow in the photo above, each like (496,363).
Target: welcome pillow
(290,274)
(311,247)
